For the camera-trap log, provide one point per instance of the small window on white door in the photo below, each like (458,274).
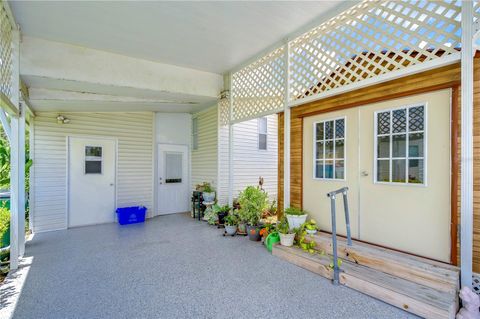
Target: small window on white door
(173,168)
(195,133)
(329,154)
(262,133)
(93,160)
(400,145)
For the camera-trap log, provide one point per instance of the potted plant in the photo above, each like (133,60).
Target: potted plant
(208,192)
(210,216)
(231,222)
(252,202)
(286,235)
(295,216)
(222,212)
(311,227)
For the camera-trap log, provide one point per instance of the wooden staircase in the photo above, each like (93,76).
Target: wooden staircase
(421,286)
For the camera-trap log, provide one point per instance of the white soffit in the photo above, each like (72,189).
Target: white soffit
(210,36)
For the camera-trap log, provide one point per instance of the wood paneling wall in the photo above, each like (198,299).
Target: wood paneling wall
(445,77)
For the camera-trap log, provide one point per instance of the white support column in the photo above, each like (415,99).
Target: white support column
(17,159)
(466,232)
(286,133)
(21,181)
(230,143)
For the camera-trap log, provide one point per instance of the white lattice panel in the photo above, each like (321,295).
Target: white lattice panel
(224,111)
(5,53)
(476,283)
(259,88)
(370,39)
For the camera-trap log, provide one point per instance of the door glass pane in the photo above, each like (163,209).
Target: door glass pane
(399,145)
(339,169)
(319,154)
(329,130)
(328,169)
(383,147)
(329,149)
(339,149)
(415,171)
(399,121)
(416,119)
(340,128)
(319,131)
(173,167)
(383,170)
(94,151)
(415,145)
(319,169)
(383,123)
(93,167)
(398,171)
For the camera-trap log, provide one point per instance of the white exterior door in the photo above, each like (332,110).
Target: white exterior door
(91,181)
(173,179)
(383,156)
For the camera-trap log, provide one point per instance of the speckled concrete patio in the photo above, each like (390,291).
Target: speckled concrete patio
(175,267)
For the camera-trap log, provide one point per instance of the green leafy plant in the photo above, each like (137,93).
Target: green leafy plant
(211,215)
(301,234)
(253,201)
(283,228)
(221,209)
(310,225)
(294,211)
(231,220)
(4,220)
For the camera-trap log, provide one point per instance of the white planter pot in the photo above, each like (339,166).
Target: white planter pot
(208,197)
(311,231)
(295,221)
(231,230)
(287,239)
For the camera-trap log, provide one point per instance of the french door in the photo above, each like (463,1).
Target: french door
(396,164)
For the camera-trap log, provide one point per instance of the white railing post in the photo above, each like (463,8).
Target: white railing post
(230,143)
(466,232)
(286,132)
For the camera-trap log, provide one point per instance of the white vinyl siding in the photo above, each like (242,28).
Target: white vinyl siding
(134,132)
(249,162)
(204,158)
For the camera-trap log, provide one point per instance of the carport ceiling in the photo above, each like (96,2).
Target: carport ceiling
(209,36)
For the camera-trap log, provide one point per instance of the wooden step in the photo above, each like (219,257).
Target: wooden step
(410,296)
(420,270)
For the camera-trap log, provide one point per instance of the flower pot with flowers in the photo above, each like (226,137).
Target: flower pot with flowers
(253,202)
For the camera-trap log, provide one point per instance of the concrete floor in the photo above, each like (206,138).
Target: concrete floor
(175,267)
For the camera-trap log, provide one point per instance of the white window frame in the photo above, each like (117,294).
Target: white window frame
(92,159)
(314,155)
(195,133)
(262,133)
(406,158)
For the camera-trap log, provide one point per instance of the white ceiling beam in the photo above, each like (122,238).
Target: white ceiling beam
(44,59)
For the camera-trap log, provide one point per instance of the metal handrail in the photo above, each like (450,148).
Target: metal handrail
(332,196)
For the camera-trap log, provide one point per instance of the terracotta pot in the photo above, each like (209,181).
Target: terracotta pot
(242,228)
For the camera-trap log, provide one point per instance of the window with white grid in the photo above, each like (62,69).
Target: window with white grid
(400,145)
(262,133)
(329,154)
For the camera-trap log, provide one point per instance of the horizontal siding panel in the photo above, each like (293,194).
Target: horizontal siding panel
(204,159)
(134,134)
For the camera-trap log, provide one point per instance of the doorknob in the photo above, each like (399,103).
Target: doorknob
(111,184)
(364,173)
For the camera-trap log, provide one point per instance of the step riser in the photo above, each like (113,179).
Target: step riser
(426,275)
(354,279)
